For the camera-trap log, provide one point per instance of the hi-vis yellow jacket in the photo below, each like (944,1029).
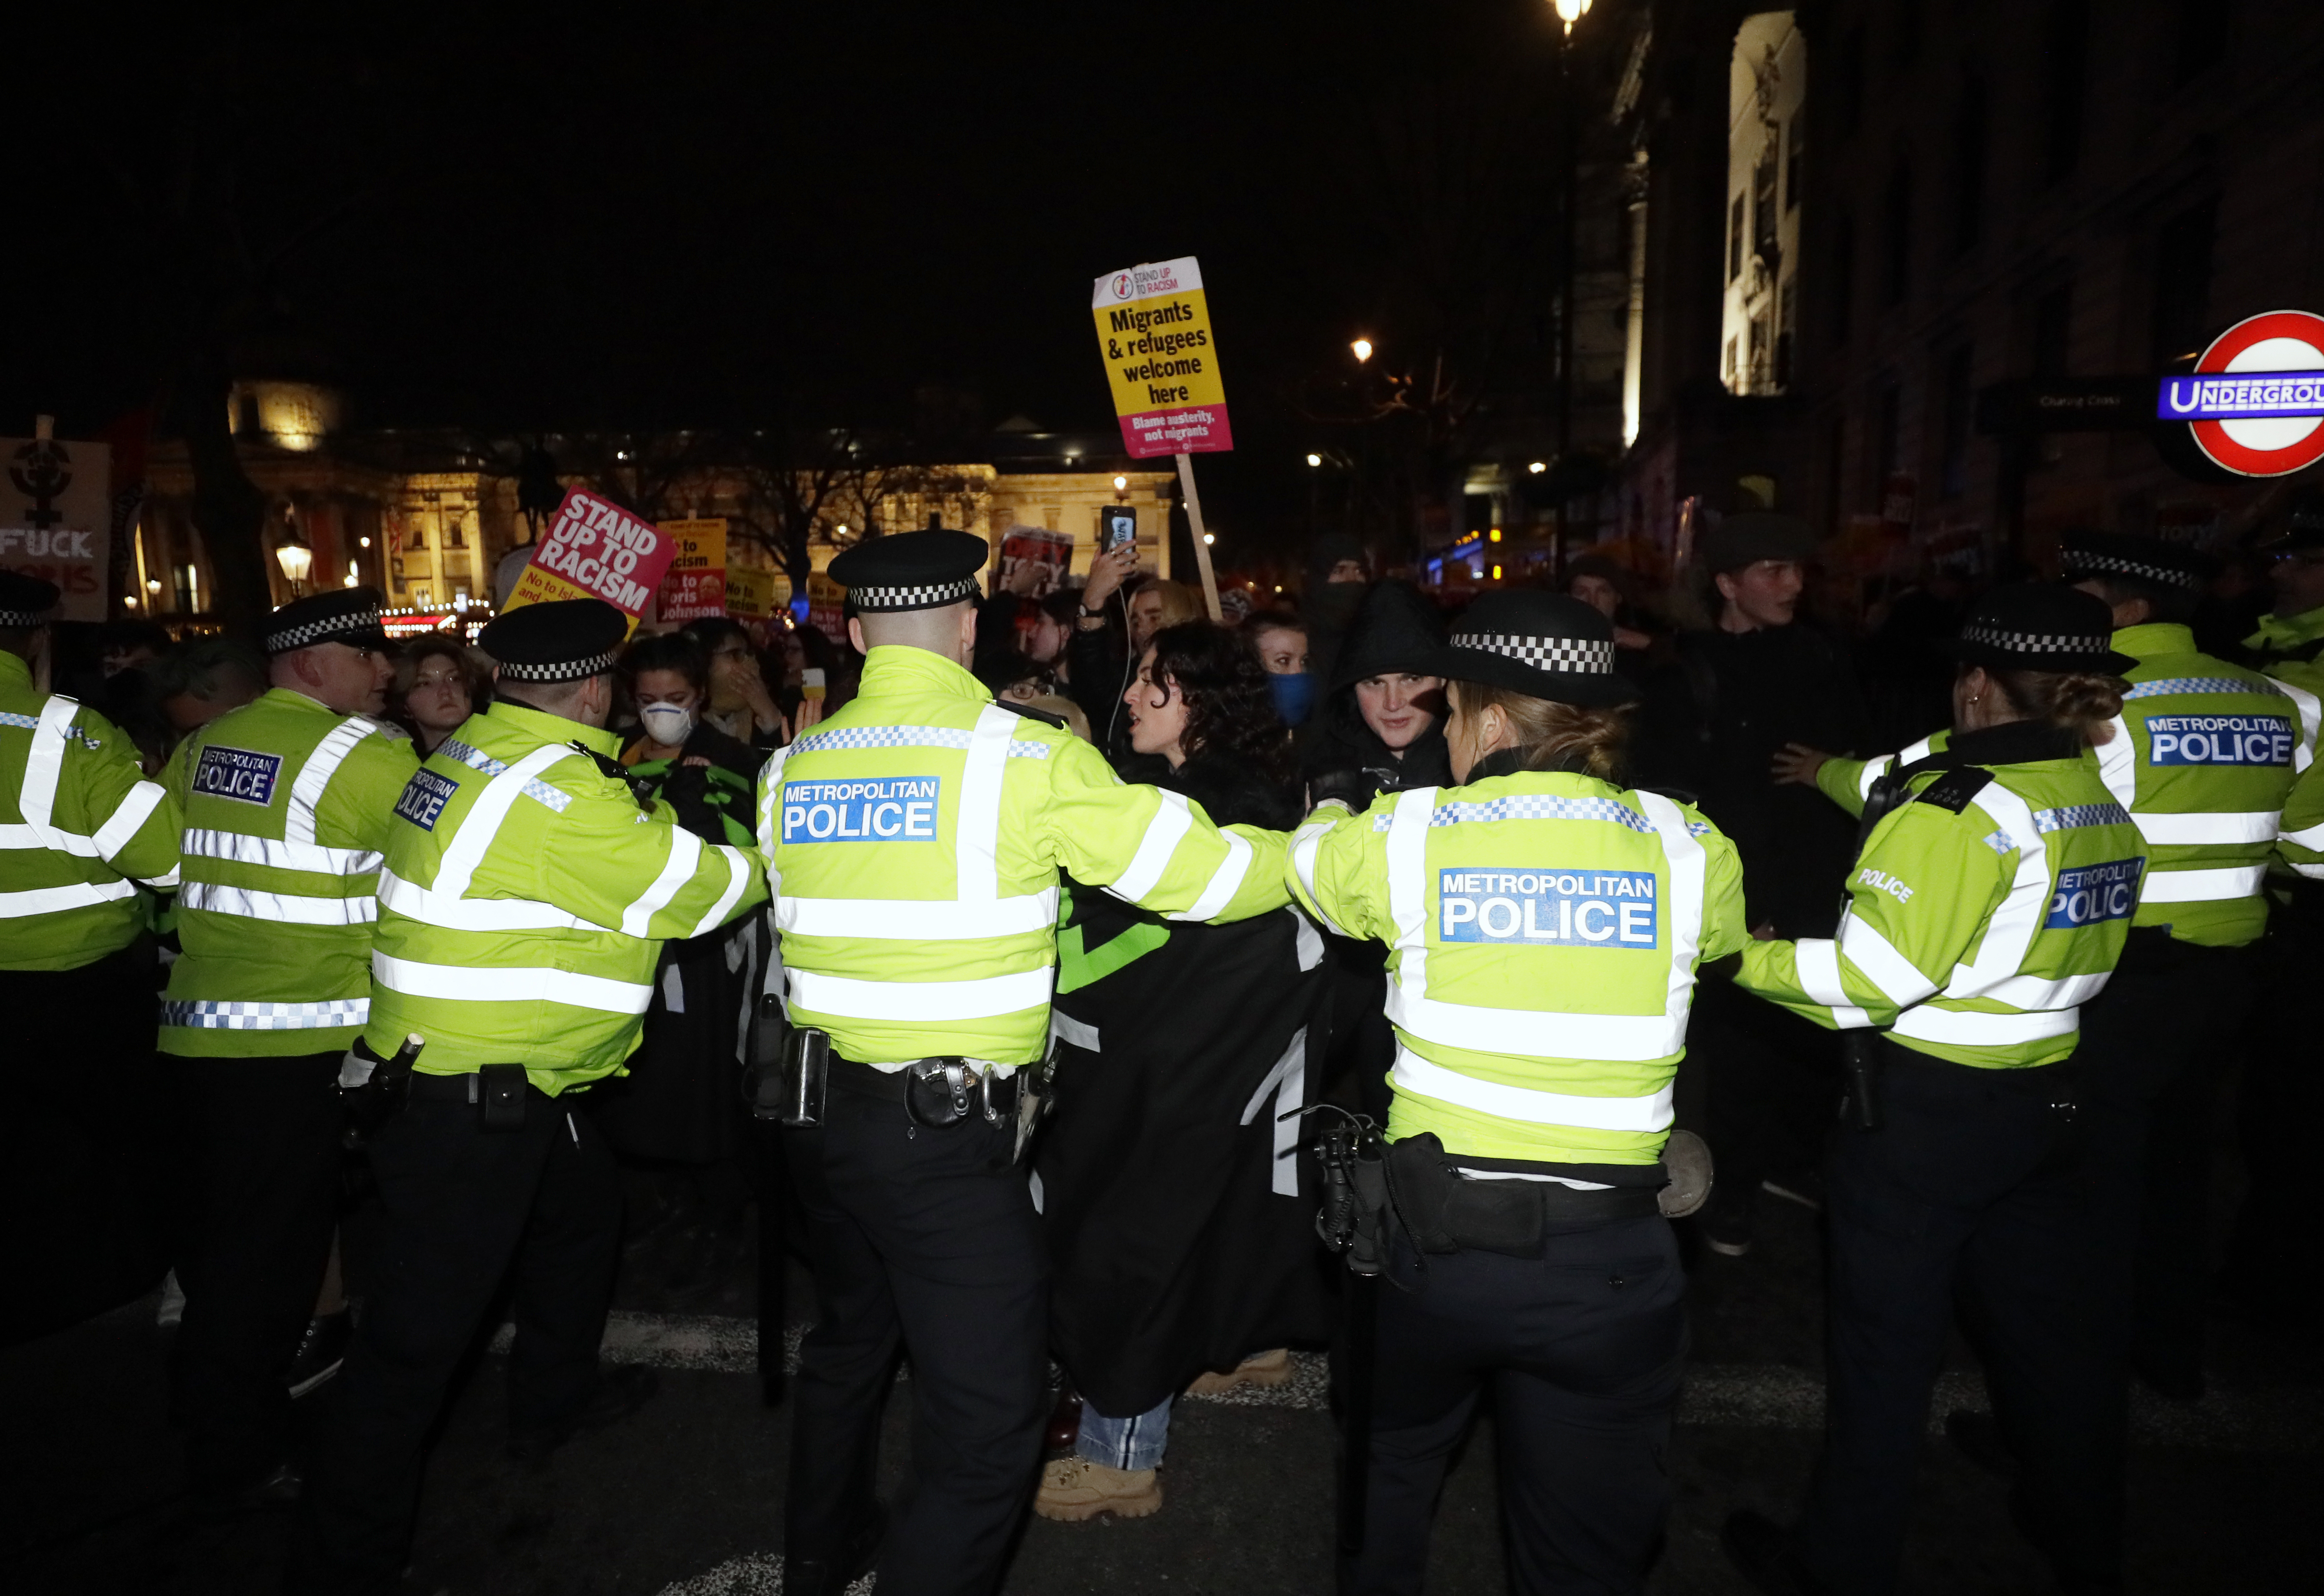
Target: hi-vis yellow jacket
(1545,929)
(79,826)
(913,843)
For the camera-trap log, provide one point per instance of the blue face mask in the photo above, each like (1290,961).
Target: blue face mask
(1294,696)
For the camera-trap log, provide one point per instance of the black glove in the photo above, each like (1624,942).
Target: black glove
(1356,788)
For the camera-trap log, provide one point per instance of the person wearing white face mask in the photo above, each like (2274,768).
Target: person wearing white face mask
(677,1110)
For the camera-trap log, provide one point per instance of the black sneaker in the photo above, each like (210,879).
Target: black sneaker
(621,1391)
(1762,1551)
(321,1350)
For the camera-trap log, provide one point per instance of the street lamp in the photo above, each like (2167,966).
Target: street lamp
(1314,459)
(1209,538)
(1362,348)
(295,555)
(1537,467)
(1571,12)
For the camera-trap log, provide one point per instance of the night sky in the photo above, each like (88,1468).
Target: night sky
(669,215)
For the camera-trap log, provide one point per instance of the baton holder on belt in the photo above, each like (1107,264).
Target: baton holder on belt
(806,1076)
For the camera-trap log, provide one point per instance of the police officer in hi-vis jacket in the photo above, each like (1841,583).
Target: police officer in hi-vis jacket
(914,842)
(1991,900)
(1544,925)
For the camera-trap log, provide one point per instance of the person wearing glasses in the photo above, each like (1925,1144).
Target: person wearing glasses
(739,704)
(287,802)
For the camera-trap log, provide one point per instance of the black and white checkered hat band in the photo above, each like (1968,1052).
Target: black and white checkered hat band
(559,670)
(356,624)
(12,619)
(2037,642)
(1576,655)
(2083,562)
(929,597)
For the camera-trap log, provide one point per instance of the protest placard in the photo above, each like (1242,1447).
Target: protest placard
(56,518)
(1034,561)
(694,585)
(1154,332)
(755,595)
(595,549)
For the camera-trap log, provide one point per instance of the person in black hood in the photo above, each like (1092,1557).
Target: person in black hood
(1381,725)
(1759,678)
(1336,579)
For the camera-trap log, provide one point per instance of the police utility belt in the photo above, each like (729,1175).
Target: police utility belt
(1374,1190)
(374,1090)
(936,1092)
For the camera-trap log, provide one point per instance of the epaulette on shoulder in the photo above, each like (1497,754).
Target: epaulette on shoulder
(1031,713)
(1955,788)
(1677,795)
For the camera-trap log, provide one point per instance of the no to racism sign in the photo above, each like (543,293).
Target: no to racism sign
(694,585)
(1154,333)
(595,549)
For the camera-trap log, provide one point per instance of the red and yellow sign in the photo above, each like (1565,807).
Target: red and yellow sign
(694,585)
(1154,332)
(595,549)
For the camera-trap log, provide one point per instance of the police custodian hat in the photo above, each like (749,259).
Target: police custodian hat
(1543,645)
(26,601)
(2082,552)
(2041,626)
(563,640)
(923,570)
(343,615)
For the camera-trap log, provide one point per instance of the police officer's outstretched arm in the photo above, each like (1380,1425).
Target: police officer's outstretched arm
(1334,866)
(642,875)
(1155,849)
(101,794)
(1918,898)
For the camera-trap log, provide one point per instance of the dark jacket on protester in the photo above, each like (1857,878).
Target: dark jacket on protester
(1329,607)
(681,1101)
(1711,726)
(1394,630)
(1179,1214)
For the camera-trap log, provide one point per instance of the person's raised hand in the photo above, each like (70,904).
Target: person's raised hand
(1797,763)
(1108,572)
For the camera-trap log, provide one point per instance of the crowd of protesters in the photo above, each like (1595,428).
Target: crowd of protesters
(1166,1153)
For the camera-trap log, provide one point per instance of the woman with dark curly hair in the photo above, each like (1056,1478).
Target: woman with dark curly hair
(1202,703)
(1176,1205)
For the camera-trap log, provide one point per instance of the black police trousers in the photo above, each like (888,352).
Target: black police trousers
(463,1207)
(1579,1352)
(924,1240)
(1970,1182)
(264,1195)
(2155,1046)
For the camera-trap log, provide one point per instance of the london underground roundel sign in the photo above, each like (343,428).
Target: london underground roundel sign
(2254,402)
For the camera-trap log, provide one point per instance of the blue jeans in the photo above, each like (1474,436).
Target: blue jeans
(1125,1442)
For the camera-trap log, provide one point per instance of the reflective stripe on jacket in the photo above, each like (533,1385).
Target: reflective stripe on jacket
(1975,933)
(2202,758)
(914,842)
(287,803)
(524,898)
(1545,929)
(79,826)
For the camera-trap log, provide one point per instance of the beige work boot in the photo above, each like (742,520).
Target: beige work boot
(1074,1489)
(1260,1369)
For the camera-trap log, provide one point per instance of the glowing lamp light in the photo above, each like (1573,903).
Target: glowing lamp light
(1497,573)
(1362,350)
(842,529)
(295,557)
(1494,536)
(152,584)
(129,600)
(350,580)
(363,543)
(1537,467)
(1209,538)
(1314,459)
(1121,485)
(1571,12)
